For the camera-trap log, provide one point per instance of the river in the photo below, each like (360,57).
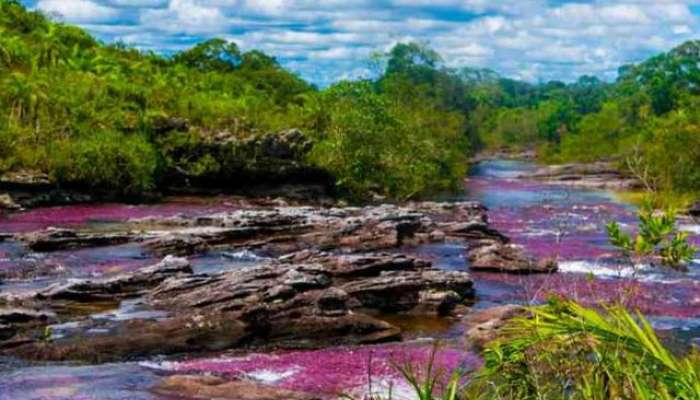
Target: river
(550,221)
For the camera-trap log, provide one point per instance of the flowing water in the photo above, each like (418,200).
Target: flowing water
(549,221)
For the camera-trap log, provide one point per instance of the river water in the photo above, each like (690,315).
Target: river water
(549,221)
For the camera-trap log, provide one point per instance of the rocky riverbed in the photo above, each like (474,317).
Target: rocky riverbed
(277,299)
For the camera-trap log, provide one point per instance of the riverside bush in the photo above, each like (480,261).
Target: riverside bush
(108,161)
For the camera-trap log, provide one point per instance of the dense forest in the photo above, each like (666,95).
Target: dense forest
(110,117)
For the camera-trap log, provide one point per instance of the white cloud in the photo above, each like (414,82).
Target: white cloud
(328,39)
(78,11)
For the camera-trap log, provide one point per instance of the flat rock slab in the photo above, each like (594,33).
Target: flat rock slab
(210,387)
(509,258)
(319,302)
(282,230)
(598,175)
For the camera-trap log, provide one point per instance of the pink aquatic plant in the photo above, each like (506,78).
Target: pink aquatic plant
(330,371)
(84,214)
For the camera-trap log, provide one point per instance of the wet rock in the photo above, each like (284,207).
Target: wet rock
(7,332)
(53,239)
(209,387)
(487,325)
(292,305)
(601,175)
(177,245)
(358,265)
(509,258)
(8,203)
(396,291)
(136,339)
(16,319)
(473,230)
(117,287)
(285,230)
(9,316)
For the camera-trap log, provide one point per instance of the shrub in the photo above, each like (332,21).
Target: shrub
(122,163)
(381,142)
(658,238)
(566,351)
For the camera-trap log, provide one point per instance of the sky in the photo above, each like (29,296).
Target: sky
(328,40)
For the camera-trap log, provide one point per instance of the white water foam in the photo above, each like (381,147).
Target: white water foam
(601,270)
(641,272)
(269,376)
(243,255)
(383,387)
(694,229)
(160,366)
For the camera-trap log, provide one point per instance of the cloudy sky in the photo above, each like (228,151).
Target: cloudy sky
(327,40)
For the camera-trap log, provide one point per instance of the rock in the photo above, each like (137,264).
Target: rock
(24,178)
(473,230)
(284,230)
(54,239)
(290,305)
(118,287)
(10,316)
(510,258)
(177,245)
(330,286)
(134,339)
(7,332)
(210,387)
(15,319)
(8,203)
(396,291)
(487,325)
(368,264)
(601,175)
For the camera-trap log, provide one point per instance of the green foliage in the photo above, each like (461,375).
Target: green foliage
(106,160)
(671,149)
(657,237)
(62,92)
(567,351)
(426,381)
(394,142)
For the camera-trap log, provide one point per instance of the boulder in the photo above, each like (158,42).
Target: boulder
(8,203)
(290,305)
(487,325)
(500,257)
(13,315)
(54,239)
(600,175)
(139,338)
(211,387)
(117,287)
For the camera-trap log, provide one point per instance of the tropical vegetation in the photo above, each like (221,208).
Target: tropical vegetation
(66,98)
(658,238)
(91,115)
